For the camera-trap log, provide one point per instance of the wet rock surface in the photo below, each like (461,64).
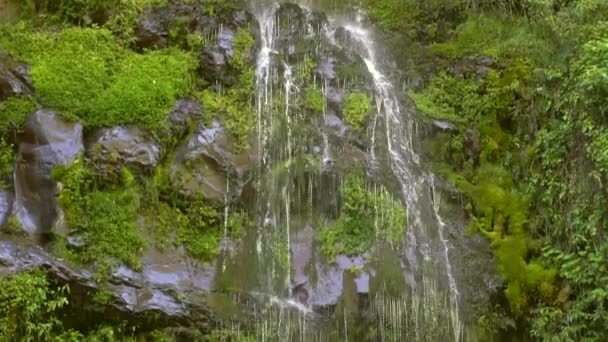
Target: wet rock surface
(110,149)
(185,112)
(165,277)
(46,142)
(14,77)
(207,166)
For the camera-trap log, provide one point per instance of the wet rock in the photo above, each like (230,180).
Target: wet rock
(185,112)
(14,77)
(155,290)
(301,255)
(444,125)
(337,127)
(110,149)
(297,31)
(478,66)
(208,166)
(46,142)
(214,59)
(154,28)
(325,69)
(75,241)
(6,204)
(335,99)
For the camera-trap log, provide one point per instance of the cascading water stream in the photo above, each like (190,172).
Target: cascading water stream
(428,307)
(405,164)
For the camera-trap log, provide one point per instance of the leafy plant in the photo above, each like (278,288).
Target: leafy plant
(366,217)
(356,110)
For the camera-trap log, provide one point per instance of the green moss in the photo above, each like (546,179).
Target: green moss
(498,38)
(105,217)
(13,112)
(87,76)
(356,110)
(366,217)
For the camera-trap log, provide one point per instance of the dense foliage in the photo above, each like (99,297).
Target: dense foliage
(525,83)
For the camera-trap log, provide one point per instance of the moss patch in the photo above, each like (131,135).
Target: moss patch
(86,75)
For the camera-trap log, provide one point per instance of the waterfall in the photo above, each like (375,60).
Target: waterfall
(307,298)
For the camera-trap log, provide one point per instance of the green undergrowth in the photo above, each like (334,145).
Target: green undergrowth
(176,221)
(234,105)
(87,75)
(500,212)
(29,307)
(104,215)
(525,86)
(368,215)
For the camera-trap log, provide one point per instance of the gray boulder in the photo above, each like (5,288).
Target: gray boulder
(185,112)
(109,149)
(208,166)
(47,141)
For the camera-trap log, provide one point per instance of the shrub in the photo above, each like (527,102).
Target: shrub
(28,307)
(356,110)
(366,217)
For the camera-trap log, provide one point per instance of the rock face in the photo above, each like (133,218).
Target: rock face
(156,289)
(47,141)
(110,149)
(185,113)
(207,166)
(172,24)
(14,78)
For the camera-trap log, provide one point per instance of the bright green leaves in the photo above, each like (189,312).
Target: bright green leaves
(590,73)
(500,213)
(29,307)
(314,101)
(143,89)
(356,110)
(367,216)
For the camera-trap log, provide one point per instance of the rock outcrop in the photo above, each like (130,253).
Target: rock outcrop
(208,167)
(109,149)
(46,142)
(168,284)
